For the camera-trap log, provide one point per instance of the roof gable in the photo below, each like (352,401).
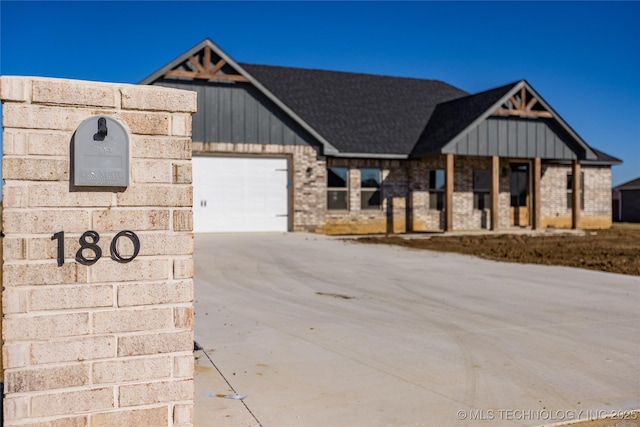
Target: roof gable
(453,122)
(450,119)
(207,61)
(204,61)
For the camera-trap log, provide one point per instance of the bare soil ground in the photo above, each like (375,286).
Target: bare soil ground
(616,250)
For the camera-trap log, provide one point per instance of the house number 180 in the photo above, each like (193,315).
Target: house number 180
(89,241)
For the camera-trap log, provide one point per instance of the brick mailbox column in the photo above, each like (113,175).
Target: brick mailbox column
(108,344)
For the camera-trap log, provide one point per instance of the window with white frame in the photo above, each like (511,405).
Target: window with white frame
(370,197)
(337,189)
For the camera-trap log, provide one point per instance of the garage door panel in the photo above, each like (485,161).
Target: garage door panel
(241,193)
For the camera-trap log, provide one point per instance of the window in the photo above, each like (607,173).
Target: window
(370,189)
(436,189)
(519,185)
(570,191)
(337,189)
(481,190)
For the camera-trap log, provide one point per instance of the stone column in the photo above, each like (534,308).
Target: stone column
(107,344)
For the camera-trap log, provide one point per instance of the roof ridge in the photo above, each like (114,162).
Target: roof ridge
(370,114)
(484,92)
(354,73)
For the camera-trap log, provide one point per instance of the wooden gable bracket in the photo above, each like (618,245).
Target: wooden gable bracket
(519,106)
(206,69)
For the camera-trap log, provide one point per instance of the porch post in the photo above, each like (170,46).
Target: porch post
(537,172)
(448,184)
(575,210)
(495,192)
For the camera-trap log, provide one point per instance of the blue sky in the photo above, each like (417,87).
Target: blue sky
(582,57)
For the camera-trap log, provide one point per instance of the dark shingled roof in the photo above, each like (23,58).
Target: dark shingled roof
(358,113)
(634,184)
(604,158)
(451,118)
(365,115)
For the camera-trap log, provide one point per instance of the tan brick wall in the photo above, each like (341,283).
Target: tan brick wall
(307,171)
(597,197)
(424,218)
(597,187)
(405,186)
(465,217)
(109,344)
(392,215)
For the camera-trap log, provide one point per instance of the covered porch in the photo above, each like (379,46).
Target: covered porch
(524,176)
(499,151)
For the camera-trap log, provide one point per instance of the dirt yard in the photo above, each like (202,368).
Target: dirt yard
(616,250)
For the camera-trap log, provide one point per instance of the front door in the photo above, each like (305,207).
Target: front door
(519,185)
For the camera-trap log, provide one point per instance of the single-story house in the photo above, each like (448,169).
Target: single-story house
(626,201)
(290,149)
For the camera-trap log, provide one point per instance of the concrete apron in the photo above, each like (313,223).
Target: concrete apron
(226,409)
(218,403)
(322,332)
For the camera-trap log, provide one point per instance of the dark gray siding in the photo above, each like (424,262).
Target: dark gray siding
(630,205)
(239,113)
(519,138)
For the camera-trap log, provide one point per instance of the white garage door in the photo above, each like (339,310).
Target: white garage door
(232,194)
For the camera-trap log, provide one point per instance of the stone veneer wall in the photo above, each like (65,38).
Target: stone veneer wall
(109,344)
(597,197)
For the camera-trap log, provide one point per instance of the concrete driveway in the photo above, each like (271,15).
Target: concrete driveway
(315,331)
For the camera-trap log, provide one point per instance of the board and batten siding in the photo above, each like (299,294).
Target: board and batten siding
(239,113)
(516,138)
